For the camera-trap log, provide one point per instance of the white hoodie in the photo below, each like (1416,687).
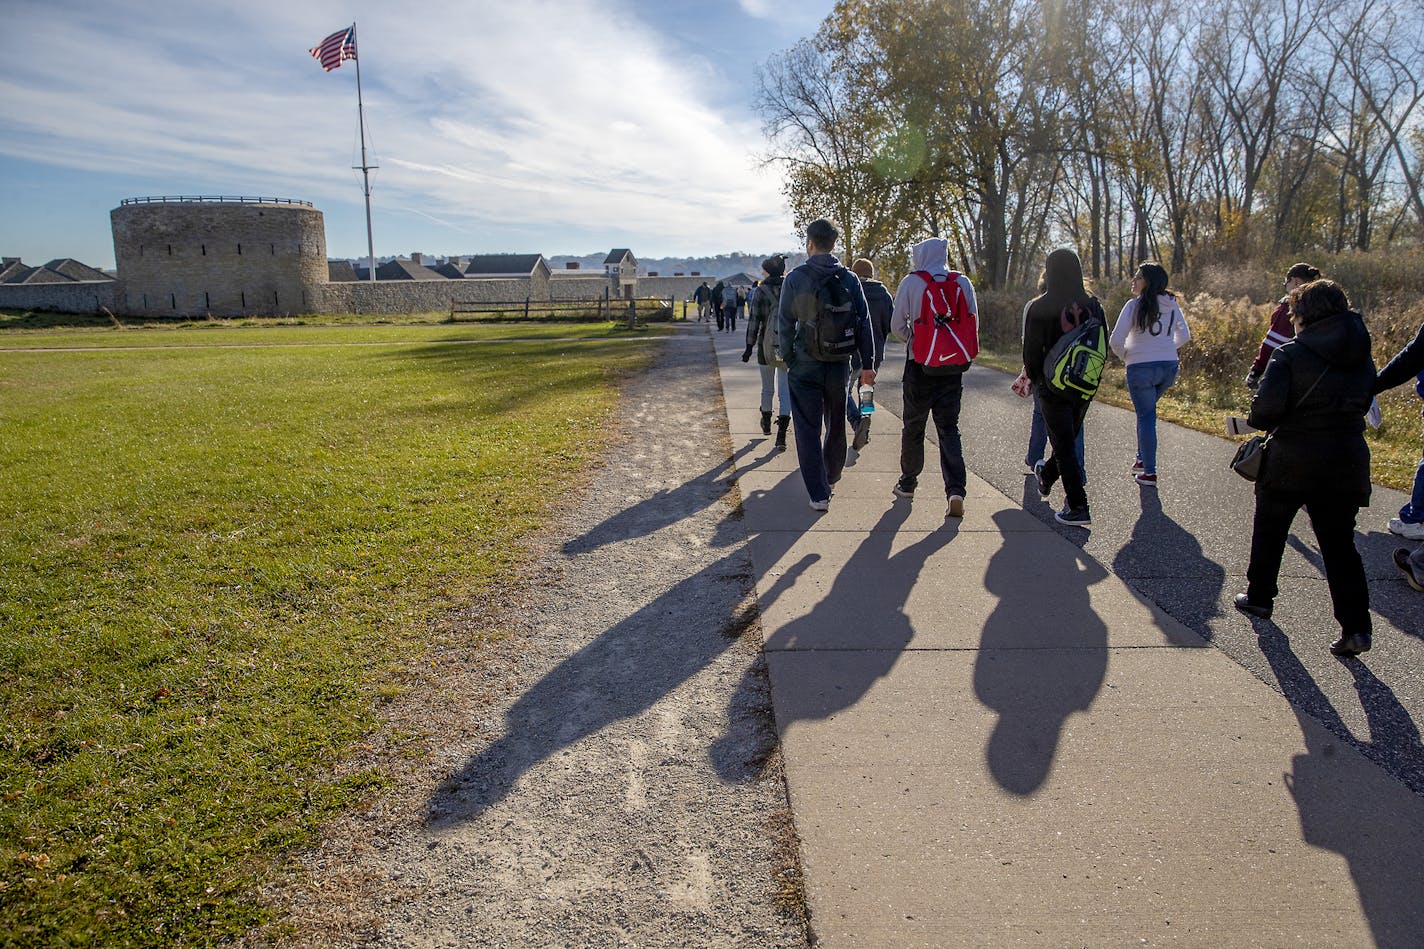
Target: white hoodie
(932,256)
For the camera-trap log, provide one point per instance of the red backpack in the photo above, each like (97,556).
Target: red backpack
(945,336)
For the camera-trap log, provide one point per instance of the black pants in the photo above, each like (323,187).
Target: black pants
(817,402)
(1063,417)
(938,396)
(721,322)
(1334,523)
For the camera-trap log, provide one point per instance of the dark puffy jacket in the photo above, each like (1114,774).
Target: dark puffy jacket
(879,303)
(1408,362)
(798,293)
(1313,399)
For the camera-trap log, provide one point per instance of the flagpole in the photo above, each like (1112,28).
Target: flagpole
(365,168)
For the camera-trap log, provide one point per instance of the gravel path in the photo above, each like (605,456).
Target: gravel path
(602,771)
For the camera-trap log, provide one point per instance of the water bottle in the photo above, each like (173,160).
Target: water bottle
(867,400)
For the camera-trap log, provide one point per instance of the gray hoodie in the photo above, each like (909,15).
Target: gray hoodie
(930,255)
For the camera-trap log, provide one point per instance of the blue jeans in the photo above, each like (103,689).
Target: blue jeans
(1413,510)
(774,376)
(1146,381)
(1038,441)
(818,391)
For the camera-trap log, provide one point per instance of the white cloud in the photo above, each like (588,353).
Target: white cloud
(761,9)
(548,114)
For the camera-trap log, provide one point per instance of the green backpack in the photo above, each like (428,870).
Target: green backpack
(1074,366)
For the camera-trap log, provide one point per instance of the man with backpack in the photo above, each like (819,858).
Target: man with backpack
(935,311)
(714,300)
(1065,344)
(821,320)
(880,304)
(731,299)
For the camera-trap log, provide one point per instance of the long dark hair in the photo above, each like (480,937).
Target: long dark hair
(1154,275)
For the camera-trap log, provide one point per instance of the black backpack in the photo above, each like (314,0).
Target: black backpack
(828,325)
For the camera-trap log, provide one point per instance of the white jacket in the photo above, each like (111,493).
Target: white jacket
(1168,333)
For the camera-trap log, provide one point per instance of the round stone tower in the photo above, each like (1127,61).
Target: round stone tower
(192,256)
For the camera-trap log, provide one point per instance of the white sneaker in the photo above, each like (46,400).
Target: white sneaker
(1406,529)
(821,505)
(956,506)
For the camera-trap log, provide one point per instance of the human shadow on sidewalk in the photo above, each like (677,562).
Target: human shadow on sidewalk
(858,629)
(1390,598)
(1043,653)
(667,507)
(1364,815)
(617,676)
(1159,550)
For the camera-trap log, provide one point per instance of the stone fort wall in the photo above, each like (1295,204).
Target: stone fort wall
(83,296)
(226,257)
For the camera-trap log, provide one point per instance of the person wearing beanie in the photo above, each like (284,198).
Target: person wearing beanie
(1281,329)
(879,303)
(761,339)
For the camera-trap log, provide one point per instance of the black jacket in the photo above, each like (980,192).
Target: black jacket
(798,292)
(1043,327)
(879,302)
(1317,444)
(1406,364)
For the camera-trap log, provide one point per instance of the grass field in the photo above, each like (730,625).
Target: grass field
(216,549)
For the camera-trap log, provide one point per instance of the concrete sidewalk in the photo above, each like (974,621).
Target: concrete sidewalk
(990,739)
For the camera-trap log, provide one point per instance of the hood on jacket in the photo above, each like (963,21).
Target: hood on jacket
(931,255)
(823,265)
(1341,340)
(1063,275)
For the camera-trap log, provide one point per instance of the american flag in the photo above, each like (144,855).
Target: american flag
(338,46)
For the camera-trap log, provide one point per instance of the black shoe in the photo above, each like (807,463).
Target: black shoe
(1044,487)
(1401,561)
(1243,604)
(766,423)
(1352,644)
(781,422)
(904,488)
(1074,517)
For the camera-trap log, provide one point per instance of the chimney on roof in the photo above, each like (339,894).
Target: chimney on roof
(572,265)
(677,273)
(7,261)
(697,273)
(416,257)
(652,273)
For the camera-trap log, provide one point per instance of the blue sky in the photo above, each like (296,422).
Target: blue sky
(557,126)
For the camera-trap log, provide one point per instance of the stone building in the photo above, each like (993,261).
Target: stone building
(221,256)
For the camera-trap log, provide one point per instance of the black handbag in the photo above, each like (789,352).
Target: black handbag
(1251,454)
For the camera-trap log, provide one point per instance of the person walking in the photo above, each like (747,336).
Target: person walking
(879,303)
(762,339)
(1060,308)
(822,307)
(730,298)
(701,295)
(1281,330)
(1408,363)
(1313,398)
(930,391)
(714,302)
(1149,331)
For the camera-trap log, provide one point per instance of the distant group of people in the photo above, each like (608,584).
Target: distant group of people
(819,332)
(722,303)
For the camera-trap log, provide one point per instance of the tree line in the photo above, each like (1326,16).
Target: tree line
(1129,129)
